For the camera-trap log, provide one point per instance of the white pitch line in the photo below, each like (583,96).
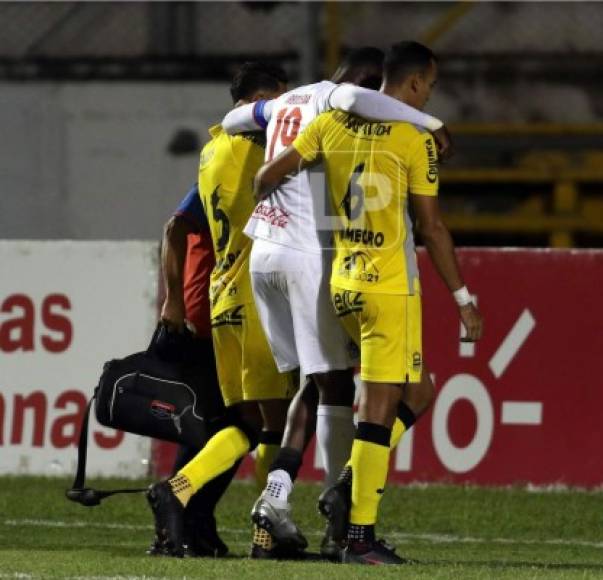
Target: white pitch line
(76,524)
(401,536)
(512,343)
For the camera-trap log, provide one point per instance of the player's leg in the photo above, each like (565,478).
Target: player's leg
(272,306)
(201,536)
(391,356)
(272,303)
(200,533)
(229,444)
(324,351)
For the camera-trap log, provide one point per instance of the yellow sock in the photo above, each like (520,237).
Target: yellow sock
(397,431)
(264,456)
(370,463)
(219,454)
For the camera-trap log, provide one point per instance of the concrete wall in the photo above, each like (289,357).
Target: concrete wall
(90,161)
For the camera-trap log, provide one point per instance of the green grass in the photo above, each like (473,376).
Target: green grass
(453,533)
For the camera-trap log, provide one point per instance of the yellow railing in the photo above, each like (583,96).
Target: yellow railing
(562,212)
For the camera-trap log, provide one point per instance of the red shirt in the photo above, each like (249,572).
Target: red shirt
(197,268)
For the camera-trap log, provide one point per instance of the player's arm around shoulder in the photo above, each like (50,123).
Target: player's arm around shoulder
(423,188)
(304,150)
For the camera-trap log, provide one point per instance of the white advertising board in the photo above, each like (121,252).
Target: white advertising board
(66,308)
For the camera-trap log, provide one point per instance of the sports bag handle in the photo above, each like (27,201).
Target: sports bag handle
(88,496)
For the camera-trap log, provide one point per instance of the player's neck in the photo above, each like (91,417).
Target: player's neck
(400,92)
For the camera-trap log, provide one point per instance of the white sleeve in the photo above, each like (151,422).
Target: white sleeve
(380,107)
(250,117)
(323,97)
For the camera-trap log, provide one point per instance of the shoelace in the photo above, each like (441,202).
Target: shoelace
(383,542)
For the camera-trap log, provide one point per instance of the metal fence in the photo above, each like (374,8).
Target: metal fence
(214,33)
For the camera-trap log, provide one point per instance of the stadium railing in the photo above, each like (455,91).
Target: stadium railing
(558,188)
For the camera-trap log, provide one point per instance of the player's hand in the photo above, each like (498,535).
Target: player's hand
(443,141)
(472,321)
(172,314)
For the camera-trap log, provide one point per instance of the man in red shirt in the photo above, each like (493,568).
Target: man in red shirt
(187,259)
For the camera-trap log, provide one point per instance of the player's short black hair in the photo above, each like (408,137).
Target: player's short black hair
(363,56)
(366,59)
(405,58)
(255,76)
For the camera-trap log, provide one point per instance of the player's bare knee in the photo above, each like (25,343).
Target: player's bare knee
(336,387)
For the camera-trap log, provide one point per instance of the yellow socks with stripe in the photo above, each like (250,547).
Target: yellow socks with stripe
(370,464)
(219,454)
(265,454)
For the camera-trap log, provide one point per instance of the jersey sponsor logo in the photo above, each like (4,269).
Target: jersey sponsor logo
(272,214)
(362,236)
(347,301)
(417,360)
(360,266)
(207,155)
(432,172)
(227,262)
(298,99)
(361,126)
(232,317)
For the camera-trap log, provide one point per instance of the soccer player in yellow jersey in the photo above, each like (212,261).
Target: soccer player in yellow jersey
(373,171)
(255,393)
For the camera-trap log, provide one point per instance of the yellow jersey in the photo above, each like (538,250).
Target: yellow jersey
(226,170)
(371,168)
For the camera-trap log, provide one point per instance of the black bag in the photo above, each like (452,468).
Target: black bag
(150,396)
(147,396)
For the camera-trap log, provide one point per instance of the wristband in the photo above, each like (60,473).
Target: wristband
(433,124)
(462,296)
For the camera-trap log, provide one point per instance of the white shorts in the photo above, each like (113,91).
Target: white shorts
(292,296)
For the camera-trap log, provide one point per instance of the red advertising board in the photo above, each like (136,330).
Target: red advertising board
(524,404)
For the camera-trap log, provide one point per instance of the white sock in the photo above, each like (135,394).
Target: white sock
(335,432)
(278,486)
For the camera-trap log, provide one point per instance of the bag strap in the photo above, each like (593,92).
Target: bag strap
(88,496)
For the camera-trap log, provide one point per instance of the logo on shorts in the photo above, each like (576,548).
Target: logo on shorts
(416,360)
(232,317)
(359,266)
(347,301)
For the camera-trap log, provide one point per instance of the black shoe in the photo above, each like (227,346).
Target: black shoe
(168,512)
(156,548)
(201,537)
(329,548)
(376,553)
(334,504)
(277,553)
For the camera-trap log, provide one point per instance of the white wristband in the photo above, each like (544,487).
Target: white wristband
(433,124)
(462,296)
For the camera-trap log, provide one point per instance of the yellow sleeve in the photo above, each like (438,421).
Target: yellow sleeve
(308,144)
(423,165)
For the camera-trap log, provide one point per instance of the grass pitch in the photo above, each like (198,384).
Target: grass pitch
(453,533)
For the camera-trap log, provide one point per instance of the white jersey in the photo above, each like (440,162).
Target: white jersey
(291,216)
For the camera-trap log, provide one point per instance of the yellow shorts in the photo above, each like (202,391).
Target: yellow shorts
(246,368)
(387,328)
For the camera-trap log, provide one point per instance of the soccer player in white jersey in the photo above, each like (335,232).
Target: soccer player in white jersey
(290,266)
